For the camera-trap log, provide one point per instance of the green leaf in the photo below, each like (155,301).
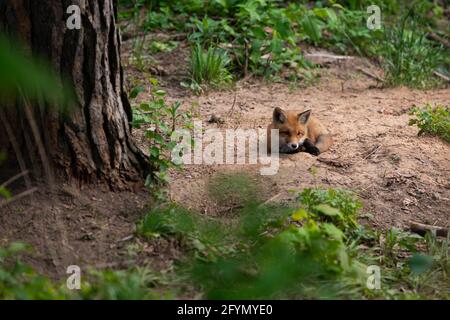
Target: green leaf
(16,247)
(145,107)
(311,26)
(333,231)
(5,193)
(419,263)
(153,81)
(299,215)
(328,210)
(160,93)
(135,92)
(154,151)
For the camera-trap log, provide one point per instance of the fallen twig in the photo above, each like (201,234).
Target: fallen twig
(127,238)
(370,75)
(437,38)
(442,76)
(269,200)
(422,229)
(371,152)
(19,196)
(14,178)
(232,106)
(328,56)
(334,162)
(16,147)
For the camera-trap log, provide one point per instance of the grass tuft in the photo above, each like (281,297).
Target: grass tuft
(208,69)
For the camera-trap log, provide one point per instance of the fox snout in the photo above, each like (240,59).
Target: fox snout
(289,147)
(293,146)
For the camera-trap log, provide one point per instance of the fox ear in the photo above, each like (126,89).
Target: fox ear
(278,115)
(304,116)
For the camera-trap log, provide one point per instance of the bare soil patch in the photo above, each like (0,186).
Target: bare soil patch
(69,226)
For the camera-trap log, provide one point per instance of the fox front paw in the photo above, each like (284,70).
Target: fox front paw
(314,151)
(311,148)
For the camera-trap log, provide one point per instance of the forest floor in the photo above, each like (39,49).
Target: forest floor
(399,176)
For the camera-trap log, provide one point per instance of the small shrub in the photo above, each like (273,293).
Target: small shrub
(339,206)
(434,121)
(160,121)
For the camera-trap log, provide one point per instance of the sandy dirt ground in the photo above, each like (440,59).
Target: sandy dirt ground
(399,176)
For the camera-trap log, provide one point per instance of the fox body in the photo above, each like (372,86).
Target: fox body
(298,132)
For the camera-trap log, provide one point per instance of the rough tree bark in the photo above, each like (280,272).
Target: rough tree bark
(94,143)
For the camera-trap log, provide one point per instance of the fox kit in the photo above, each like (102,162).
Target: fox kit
(299,132)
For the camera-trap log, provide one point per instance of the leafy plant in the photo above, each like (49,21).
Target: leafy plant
(316,250)
(158,46)
(431,120)
(160,121)
(339,206)
(262,36)
(134,284)
(19,281)
(346,31)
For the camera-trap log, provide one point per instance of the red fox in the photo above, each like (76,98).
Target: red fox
(299,132)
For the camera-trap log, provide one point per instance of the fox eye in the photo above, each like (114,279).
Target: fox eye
(299,133)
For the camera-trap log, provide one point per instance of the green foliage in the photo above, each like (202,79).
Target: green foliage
(160,121)
(133,284)
(339,206)
(408,57)
(19,281)
(420,263)
(208,68)
(5,193)
(434,121)
(262,36)
(347,32)
(22,76)
(158,46)
(290,254)
(257,34)
(206,238)
(316,250)
(268,252)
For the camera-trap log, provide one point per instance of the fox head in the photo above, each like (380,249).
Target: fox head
(292,128)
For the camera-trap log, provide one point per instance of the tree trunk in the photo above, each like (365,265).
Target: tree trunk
(94,142)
